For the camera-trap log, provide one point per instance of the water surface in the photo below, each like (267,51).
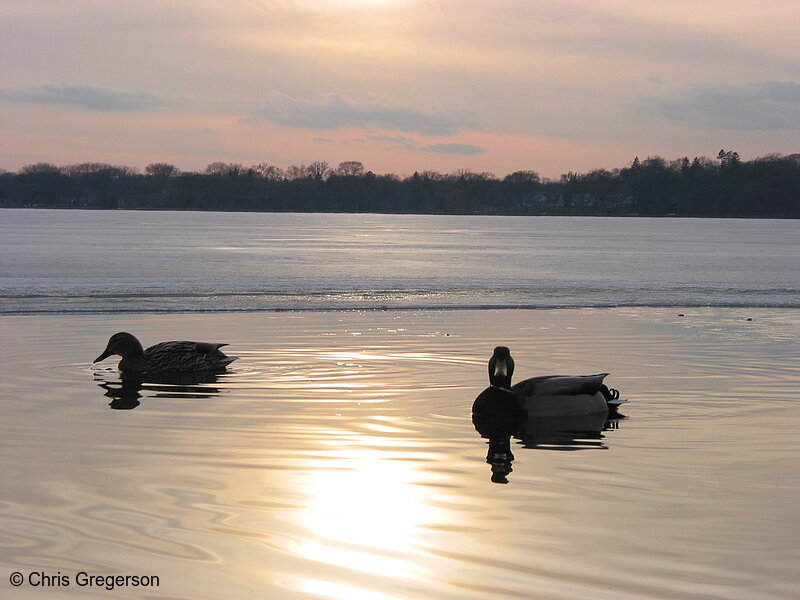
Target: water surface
(338,458)
(139,261)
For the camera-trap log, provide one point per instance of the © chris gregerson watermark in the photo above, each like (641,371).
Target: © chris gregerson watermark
(82,579)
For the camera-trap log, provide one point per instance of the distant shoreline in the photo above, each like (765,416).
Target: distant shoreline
(767,187)
(454,214)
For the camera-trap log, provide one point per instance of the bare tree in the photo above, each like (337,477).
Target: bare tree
(296,172)
(523,178)
(99,169)
(161,170)
(318,170)
(350,168)
(432,175)
(40,168)
(222,168)
(469,175)
(268,172)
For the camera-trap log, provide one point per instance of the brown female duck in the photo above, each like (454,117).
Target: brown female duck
(166,357)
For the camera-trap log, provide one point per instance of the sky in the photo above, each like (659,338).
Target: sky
(399,85)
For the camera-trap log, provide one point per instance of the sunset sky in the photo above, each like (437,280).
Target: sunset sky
(400,85)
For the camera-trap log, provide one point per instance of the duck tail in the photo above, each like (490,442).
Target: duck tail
(612,399)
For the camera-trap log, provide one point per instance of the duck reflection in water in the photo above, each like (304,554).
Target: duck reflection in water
(550,412)
(498,429)
(126,391)
(542,433)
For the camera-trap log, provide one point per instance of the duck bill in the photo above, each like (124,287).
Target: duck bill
(103,356)
(500,368)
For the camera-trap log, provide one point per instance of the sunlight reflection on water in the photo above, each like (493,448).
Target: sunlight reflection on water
(366,504)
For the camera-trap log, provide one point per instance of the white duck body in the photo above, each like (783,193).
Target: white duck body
(562,395)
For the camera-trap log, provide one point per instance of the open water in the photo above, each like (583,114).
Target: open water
(337,459)
(79,261)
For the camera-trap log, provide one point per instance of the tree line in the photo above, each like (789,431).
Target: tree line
(727,186)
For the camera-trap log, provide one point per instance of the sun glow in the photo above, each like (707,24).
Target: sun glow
(367,510)
(370,499)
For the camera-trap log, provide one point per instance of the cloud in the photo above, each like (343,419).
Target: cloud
(759,106)
(465,149)
(335,112)
(394,140)
(88,97)
(405,143)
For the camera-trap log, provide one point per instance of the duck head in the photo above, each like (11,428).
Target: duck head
(501,367)
(122,344)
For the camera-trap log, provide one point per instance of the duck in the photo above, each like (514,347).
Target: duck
(543,396)
(165,357)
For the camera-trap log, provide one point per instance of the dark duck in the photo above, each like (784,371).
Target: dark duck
(544,396)
(166,357)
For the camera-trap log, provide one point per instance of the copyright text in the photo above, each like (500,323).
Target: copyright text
(82,579)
